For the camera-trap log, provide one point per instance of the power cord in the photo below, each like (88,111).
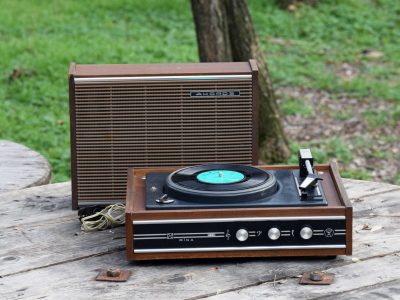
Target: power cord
(109,217)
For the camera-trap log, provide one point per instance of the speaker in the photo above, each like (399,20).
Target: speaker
(157,115)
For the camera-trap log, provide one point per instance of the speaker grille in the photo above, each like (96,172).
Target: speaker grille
(125,123)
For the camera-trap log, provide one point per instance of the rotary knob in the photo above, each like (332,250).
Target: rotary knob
(274,233)
(306,233)
(242,235)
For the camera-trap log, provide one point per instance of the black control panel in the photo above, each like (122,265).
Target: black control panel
(239,234)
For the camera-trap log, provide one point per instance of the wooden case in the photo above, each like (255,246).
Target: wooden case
(149,115)
(338,205)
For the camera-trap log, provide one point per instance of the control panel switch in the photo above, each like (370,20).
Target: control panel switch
(274,233)
(242,235)
(306,233)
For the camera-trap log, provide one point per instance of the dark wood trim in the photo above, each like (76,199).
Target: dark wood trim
(334,169)
(74,179)
(215,68)
(256,110)
(128,217)
(129,232)
(349,230)
(242,213)
(233,254)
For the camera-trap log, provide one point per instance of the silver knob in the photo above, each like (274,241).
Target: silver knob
(242,235)
(274,233)
(306,233)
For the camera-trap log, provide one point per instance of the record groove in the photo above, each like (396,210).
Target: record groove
(254,183)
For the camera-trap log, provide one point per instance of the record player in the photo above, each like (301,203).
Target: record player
(228,210)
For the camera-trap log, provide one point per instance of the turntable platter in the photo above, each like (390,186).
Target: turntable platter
(217,183)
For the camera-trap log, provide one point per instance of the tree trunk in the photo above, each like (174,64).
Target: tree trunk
(212,30)
(227,24)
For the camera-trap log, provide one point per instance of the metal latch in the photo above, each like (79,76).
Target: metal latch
(114,275)
(317,278)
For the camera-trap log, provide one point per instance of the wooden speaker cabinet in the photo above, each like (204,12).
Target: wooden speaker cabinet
(155,115)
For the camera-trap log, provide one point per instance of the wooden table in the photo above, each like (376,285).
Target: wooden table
(44,255)
(21,167)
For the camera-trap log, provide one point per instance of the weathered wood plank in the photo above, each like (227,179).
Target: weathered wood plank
(386,203)
(21,167)
(382,290)
(38,228)
(249,279)
(44,237)
(28,247)
(360,188)
(53,202)
(167,280)
(241,273)
(67,263)
(376,224)
(347,278)
(36,205)
(383,238)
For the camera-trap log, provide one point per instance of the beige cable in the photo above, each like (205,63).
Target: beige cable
(109,217)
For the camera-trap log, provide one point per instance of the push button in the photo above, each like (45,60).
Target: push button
(274,233)
(306,233)
(242,235)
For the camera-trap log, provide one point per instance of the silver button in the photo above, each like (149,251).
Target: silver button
(306,233)
(274,233)
(242,235)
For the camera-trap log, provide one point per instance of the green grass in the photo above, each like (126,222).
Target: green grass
(383,118)
(40,38)
(325,150)
(295,106)
(319,39)
(334,147)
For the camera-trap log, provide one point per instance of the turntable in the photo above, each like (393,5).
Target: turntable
(228,210)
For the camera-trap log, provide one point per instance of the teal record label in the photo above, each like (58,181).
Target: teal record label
(220,176)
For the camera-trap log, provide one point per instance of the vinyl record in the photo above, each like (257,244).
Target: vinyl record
(220,183)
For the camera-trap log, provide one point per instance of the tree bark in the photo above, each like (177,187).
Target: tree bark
(212,30)
(227,24)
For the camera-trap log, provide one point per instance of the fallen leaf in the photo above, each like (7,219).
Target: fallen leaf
(20,72)
(366,227)
(372,53)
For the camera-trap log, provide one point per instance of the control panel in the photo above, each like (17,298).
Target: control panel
(239,234)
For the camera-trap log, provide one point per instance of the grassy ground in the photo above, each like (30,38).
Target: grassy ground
(348,50)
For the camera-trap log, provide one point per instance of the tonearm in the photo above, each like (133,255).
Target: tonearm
(308,176)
